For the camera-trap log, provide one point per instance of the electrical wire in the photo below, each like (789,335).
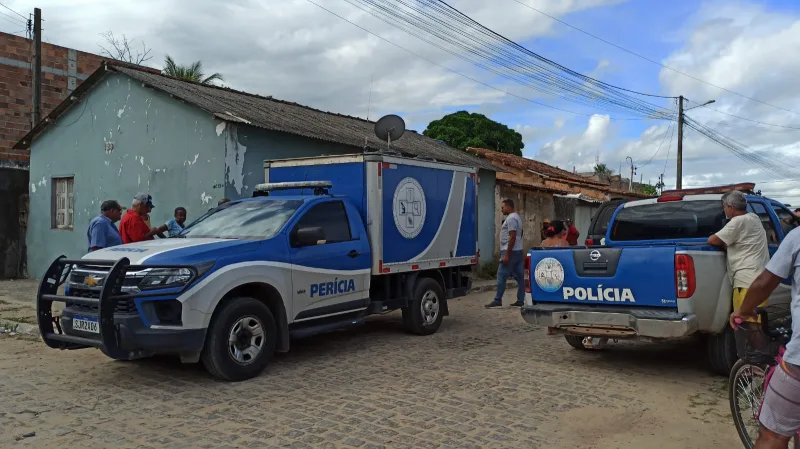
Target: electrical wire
(456,72)
(6,7)
(650,60)
(669,147)
(745,118)
(452,31)
(660,143)
(10,19)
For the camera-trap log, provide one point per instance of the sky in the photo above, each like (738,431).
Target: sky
(294,50)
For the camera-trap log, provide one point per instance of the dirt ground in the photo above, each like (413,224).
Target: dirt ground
(486,379)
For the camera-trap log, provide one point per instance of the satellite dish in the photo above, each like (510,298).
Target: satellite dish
(390,128)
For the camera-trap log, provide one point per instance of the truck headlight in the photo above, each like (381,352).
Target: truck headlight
(166,277)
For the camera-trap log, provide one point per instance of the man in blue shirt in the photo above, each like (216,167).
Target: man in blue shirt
(102,233)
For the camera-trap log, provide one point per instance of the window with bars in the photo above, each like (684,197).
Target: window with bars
(63,203)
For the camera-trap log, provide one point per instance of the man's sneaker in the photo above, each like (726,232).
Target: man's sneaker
(517,304)
(494,304)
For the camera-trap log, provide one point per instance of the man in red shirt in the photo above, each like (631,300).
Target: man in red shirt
(572,233)
(133,227)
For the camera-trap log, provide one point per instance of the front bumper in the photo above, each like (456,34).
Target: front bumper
(133,337)
(121,332)
(611,322)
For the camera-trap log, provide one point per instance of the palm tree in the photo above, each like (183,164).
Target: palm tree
(602,171)
(193,72)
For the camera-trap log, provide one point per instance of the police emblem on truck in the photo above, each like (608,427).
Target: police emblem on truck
(549,274)
(409,207)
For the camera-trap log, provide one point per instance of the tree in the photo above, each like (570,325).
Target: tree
(602,171)
(462,129)
(193,72)
(120,49)
(648,189)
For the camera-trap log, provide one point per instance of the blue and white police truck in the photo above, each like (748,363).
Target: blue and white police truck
(323,243)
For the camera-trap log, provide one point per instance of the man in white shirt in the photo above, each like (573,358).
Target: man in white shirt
(745,241)
(511,256)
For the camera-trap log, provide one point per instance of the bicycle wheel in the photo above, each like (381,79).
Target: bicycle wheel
(745,391)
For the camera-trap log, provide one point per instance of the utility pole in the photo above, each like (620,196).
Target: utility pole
(37,66)
(679,182)
(633,171)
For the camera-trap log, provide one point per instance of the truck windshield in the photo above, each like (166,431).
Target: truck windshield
(244,220)
(669,221)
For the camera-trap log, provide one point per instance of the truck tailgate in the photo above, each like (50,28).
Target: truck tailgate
(631,276)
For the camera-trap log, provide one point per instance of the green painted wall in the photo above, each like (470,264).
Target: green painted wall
(160,145)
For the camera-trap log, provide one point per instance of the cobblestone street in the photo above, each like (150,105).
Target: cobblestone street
(486,379)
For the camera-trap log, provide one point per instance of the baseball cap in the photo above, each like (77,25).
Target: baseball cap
(144,198)
(110,205)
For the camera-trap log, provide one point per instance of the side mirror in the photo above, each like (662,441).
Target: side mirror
(309,236)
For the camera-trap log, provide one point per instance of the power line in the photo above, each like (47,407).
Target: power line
(660,143)
(6,7)
(650,60)
(487,49)
(745,118)
(669,147)
(454,71)
(10,19)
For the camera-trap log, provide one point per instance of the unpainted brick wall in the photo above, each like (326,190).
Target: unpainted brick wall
(16,94)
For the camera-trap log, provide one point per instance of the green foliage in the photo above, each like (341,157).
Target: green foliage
(647,189)
(193,72)
(462,129)
(488,270)
(603,171)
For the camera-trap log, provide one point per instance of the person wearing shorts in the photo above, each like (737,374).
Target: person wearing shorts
(780,413)
(745,242)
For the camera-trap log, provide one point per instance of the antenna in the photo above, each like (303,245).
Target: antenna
(369,102)
(390,128)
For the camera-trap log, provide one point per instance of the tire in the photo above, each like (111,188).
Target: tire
(576,341)
(748,378)
(423,316)
(249,355)
(722,351)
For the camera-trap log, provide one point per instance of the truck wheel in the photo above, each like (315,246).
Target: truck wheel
(241,340)
(576,341)
(423,316)
(722,351)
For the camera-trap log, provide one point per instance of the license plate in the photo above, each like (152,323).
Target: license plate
(80,323)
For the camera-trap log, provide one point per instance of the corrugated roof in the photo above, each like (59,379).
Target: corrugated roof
(548,171)
(272,114)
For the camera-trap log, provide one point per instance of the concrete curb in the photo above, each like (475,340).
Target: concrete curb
(12,327)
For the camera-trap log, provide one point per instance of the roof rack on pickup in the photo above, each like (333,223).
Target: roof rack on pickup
(744,187)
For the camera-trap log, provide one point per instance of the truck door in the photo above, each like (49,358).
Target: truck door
(332,277)
(775,233)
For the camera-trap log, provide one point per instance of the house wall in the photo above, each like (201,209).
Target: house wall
(533,207)
(162,146)
(63,69)
(247,147)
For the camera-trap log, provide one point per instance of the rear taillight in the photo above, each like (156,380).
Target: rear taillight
(526,268)
(589,242)
(685,281)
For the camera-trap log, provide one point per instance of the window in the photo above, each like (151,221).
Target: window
(766,221)
(669,221)
(63,203)
(250,219)
(603,219)
(332,218)
(787,219)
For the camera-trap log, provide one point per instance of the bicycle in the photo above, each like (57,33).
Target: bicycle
(760,355)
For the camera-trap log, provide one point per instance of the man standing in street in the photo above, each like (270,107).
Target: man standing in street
(133,227)
(745,241)
(780,411)
(572,233)
(102,233)
(511,256)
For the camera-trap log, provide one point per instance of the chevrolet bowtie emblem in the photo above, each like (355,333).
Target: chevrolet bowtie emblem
(91,281)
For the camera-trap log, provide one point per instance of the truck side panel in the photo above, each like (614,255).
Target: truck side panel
(423,213)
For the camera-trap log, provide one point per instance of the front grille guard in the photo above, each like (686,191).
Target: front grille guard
(110,294)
